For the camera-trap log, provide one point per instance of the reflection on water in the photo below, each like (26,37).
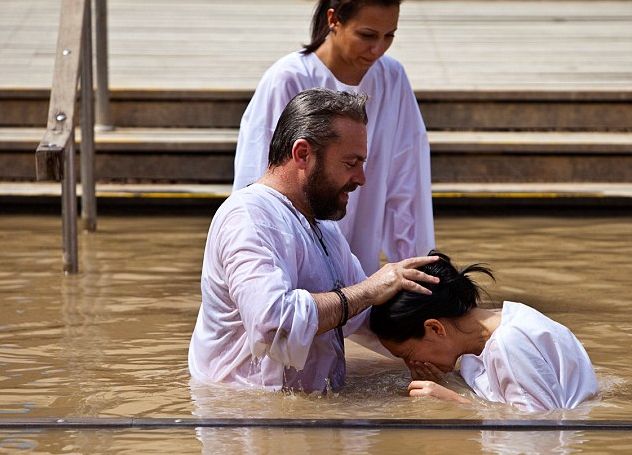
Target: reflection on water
(316,441)
(112,341)
(274,441)
(100,441)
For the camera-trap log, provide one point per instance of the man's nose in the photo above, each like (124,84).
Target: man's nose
(359,178)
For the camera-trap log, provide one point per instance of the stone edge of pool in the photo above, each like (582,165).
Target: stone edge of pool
(595,195)
(416,424)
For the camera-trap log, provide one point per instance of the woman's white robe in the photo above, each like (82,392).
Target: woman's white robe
(531,362)
(392,212)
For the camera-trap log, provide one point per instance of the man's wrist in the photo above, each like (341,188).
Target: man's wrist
(344,305)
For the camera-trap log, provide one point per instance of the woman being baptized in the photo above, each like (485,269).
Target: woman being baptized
(515,355)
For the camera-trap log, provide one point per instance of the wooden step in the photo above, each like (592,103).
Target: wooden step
(206,155)
(490,110)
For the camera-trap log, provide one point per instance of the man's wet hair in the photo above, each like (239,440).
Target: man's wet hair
(403,317)
(310,115)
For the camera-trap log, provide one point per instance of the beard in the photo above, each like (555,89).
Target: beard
(323,197)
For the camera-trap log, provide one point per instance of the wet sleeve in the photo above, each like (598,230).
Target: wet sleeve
(280,320)
(408,220)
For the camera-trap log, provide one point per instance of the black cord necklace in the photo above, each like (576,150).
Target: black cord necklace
(319,236)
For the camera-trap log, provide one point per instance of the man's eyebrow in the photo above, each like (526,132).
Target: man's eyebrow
(354,156)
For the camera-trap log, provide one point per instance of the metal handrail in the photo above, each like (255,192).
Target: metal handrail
(55,155)
(103,111)
(88,190)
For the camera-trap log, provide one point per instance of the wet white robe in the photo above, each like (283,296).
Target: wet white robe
(392,212)
(531,362)
(258,320)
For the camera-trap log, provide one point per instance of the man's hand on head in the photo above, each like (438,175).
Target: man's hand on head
(400,276)
(375,290)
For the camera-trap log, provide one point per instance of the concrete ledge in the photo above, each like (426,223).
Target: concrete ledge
(496,94)
(24,195)
(206,155)
(205,140)
(572,110)
(79,423)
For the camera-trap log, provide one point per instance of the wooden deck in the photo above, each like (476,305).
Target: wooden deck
(445,45)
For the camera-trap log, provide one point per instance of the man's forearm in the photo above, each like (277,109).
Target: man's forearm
(330,305)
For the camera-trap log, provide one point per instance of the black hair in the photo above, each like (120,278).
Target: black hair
(309,115)
(403,317)
(344,10)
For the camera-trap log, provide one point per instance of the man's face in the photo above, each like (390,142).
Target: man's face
(338,171)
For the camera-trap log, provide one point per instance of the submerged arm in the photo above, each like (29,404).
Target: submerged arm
(432,389)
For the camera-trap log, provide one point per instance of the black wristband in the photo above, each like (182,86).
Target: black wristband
(345,307)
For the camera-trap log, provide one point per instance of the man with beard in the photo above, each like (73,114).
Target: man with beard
(280,286)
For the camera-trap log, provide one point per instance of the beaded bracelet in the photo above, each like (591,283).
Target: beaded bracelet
(345,307)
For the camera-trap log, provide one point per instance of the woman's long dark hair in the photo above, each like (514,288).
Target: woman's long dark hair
(403,317)
(344,10)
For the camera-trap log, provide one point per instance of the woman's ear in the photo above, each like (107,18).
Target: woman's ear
(331,19)
(434,327)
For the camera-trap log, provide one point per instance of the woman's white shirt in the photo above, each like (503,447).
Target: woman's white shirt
(531,362)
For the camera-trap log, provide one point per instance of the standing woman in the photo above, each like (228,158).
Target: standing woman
(392,212)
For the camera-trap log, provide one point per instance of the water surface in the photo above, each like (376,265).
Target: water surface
(112,341)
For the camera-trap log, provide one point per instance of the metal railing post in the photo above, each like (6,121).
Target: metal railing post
(69,209)
(55,154)
(103,112)
(88,196)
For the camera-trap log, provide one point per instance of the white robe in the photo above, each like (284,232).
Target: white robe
(392,212)
(531,362)
(258,320)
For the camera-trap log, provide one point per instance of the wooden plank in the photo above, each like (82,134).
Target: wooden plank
(60,124)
